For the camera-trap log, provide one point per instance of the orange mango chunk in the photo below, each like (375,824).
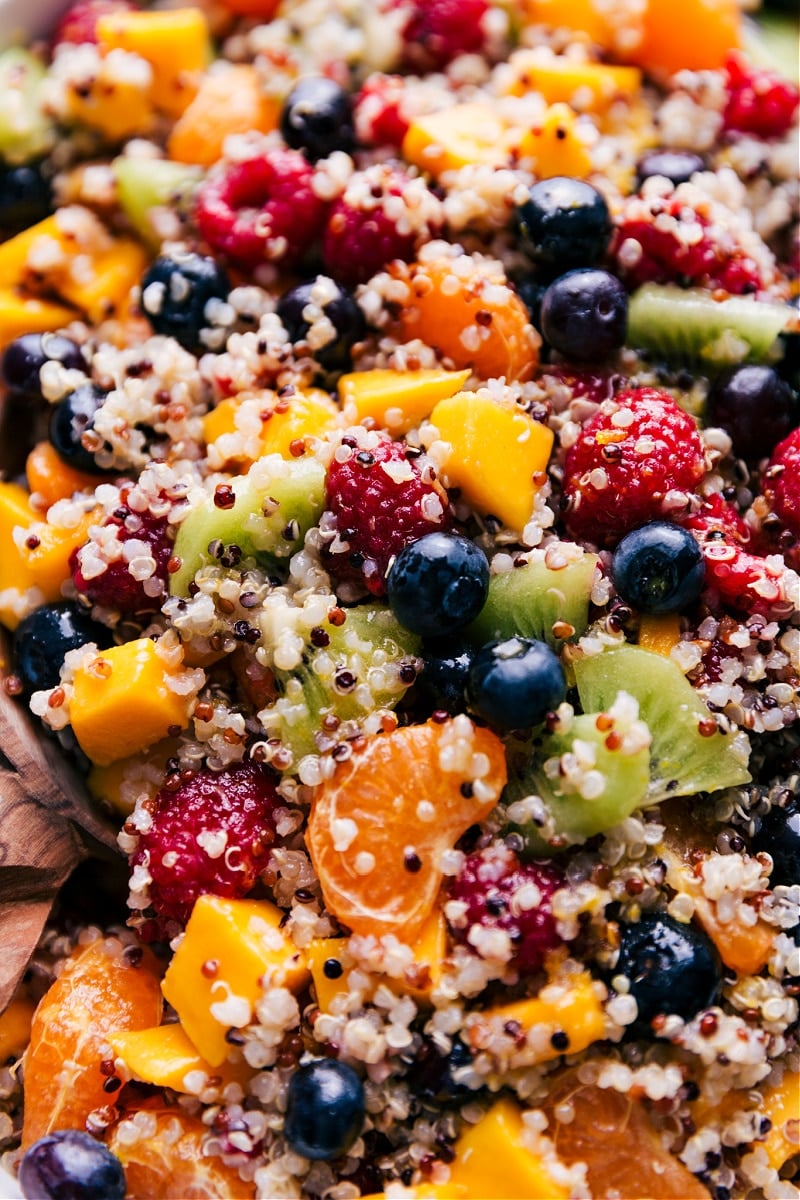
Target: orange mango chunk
(498,454)
(584,86)
(15,579)
(242,941)
(696,37)
(115,106)
(15,1028)
(396,400)
(119,784)
(51,478)
(123,702)
(227,102)
(781,1104)
(45,554)
(660,633)
(286,423)
(555,147)
(582,16)
(21,313)
(166,1057)
(174,41)
(456,137)
(493,1163)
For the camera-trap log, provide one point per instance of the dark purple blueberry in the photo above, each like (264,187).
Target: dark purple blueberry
(658,568)
(26,355)
(71,1165)
(445,670)
(564,223)
(755,407)
(72,417)
(438,584)
(25,197)
(324,1109)
(514,684)
(45,637)
(779,836)
(673,968)
(585,315)
(175,292)
(342,312)
(530,292)
(317,118)
(676,165)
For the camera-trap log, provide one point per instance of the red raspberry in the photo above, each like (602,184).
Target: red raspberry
(782,481)
(79,23)
(663,239)
(634,461)
(261,210)
(384,214)
(110,571)
(378,111)
(744,581)
(759,101)
(378,500)
(437,31)
(584,383)
(500,892)
(212,835)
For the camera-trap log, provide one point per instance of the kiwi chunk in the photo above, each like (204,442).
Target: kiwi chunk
(687,754)
(25,130)
(145,184)
(265,515)
(340,673)
(538,601)
(687,324)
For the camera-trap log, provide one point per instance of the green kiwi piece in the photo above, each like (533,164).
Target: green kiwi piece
(145,184)
(25,131)
(687,324)
(273,508)
(684,757)
(538,601)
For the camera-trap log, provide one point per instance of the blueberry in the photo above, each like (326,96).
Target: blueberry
(672,968)
(70,1165)
(175,292)
(755,407)
(788,366)
(438,584)
(514,684)
(317,118)
(564,223)
(324,1109)
(658,568)
(72,417)
(25,197)
(445,670)
(26,355)
(779,836)
(531,292)
(585,315)
(43,638)
(296,310)
(676,165)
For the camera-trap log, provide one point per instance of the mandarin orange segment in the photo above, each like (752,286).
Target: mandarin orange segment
(465,309)
(162,1152)
(380,824)
(101,990)
(226,103)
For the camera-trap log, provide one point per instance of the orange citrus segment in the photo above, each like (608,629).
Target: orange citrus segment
(101,990)
(379,826)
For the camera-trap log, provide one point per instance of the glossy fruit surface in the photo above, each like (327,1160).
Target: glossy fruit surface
(779,836)
(25,356)
(514,684)
(584,315)
(315,300)
(71,418)
(755,406)
(564,223)
(324,1109)
(45,637)
(672,968)
(445,670)
(676,165)
(317,118)
(176,291)
(438,584)
(69,1164)
(25,197)
(658,568)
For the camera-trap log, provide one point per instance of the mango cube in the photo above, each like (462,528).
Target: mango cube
(20,313)
(456,137)
(586,17)
(498,454)
(123,701)
(175,42)
(781,1104)
(397,400)
(660,633)
(231,953)
(117,107)
(555,146)
(165,1056)
(15,511)
(284,425)
(493,1163)
(15,1028)
(585,86)
(119,784)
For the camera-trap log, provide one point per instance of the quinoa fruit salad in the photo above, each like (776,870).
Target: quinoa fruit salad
(400,537)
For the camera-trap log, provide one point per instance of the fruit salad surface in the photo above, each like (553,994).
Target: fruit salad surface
(400,538)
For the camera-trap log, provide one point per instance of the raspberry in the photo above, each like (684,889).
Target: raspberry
(501,893)
(79,23)
(743,581)
(378,500)
(383,215)
(211,835)
(437,31)
(782,481)
(664,239)
(634,460)
(584,383)
(124,564)
(261,210)
(378,112)
(759,101)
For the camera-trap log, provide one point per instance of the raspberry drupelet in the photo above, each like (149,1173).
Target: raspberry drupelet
(638,458)
(437,31)
(79,23)
(124,564)
(499,892)
(212,834)
(378,111)
(782,481)
(758,100)
(378,500)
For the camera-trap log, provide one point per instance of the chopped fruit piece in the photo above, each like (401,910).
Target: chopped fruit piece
(585,86)
(759,101)
(660,634)
(456,137)
(492,1161)
(613,1134)
(15,1028)
(584,17)
(437,31)
(104,988)
(175,43)
(378,111)
(714,26)
(231,953)
(45,637)
(15,513)
(165,1056)
(25,131)
(780,1105)
(226,103)
(397,400)
(782,481)
(171,1162)
(118,107)
(146,186)
(104,572)
(79,23)
(380,824)
(46,551)
(119,784)
(51,478)
(287,422)
(539,601)
(20,314)
(263,9)
(498,455)
(128,697)
(555,146)
(465,309)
